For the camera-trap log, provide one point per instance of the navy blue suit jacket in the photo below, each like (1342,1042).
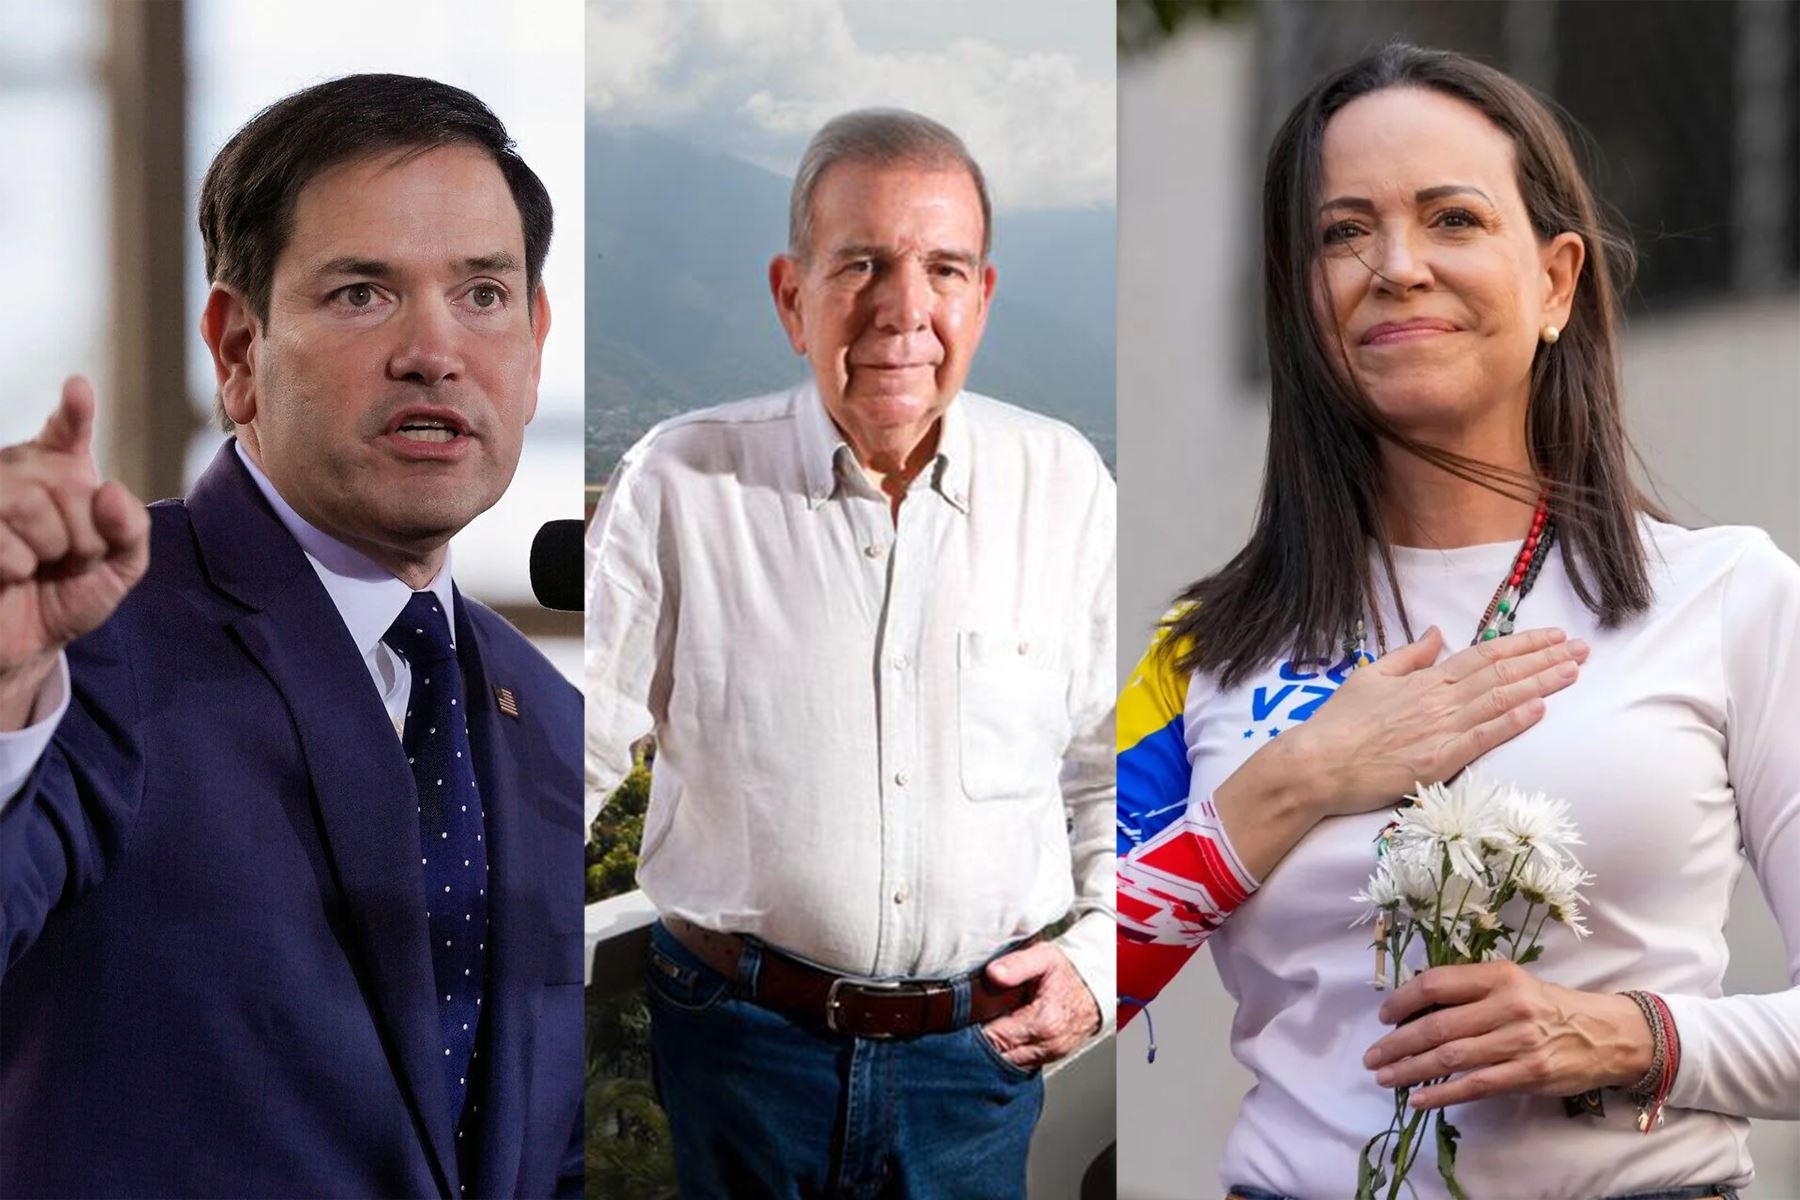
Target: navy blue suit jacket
(212,916)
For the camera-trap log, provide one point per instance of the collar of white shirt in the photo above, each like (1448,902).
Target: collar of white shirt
(368,596)
(824,451)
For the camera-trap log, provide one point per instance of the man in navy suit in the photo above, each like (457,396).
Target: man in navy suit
(290,851)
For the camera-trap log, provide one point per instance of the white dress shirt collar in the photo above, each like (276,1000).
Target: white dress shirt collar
(826,457)
(368,596)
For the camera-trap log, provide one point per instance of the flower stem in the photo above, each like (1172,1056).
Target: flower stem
(1529,946)
(1512,951)
(1379,1145)
(1407,1153)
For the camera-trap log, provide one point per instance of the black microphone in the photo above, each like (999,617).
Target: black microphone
(556,565)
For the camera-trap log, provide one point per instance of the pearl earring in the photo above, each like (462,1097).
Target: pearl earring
(1550,333)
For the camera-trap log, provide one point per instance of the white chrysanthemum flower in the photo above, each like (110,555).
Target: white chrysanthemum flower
(1497,852)
(1557,886)
(1415,871)
(1466,901)
(1450,869)
(1382,892)
(1571,916)
(1532,820)
(1553,881)
(1456,819)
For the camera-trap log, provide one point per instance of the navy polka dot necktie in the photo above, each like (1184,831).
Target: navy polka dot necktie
(452,849)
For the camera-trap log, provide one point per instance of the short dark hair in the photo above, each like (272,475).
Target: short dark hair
(247,200)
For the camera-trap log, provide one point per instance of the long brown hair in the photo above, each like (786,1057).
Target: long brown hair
(1299,585)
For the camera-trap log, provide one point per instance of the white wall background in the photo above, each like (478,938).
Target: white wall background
(53,220)
(1714,403)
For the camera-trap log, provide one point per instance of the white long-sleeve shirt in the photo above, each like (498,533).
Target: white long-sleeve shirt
(885,746)
(1679,750)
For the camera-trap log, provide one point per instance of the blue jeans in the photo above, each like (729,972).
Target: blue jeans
(760,1106)
(1245,1192)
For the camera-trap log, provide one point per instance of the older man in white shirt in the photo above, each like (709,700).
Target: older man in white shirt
(870,622)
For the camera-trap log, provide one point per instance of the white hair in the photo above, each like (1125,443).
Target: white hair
(878,137)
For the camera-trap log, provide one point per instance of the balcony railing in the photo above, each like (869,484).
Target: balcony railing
(1077,1125)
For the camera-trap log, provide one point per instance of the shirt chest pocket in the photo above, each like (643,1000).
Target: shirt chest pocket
(1012,713)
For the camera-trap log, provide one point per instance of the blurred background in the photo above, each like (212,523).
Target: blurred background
(114,108)
(697,114)
(1693,114)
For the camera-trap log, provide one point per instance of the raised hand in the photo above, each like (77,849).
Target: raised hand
(1404,720)
(71,547)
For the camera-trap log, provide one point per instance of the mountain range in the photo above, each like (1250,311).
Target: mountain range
(679,316)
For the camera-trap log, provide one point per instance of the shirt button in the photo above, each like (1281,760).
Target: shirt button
(901,778)
(900,662)
(875,551)
(1024,647)
(900,896)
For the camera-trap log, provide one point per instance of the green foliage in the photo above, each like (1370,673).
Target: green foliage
(1145,24)
(1369,1175)
(1446,1148)
(627,1145)
(614,838)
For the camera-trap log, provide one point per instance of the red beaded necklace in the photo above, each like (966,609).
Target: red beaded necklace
(1503,609)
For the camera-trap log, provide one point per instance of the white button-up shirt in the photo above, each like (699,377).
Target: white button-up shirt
(884,743)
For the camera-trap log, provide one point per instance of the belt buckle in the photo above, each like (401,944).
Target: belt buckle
(832,1003)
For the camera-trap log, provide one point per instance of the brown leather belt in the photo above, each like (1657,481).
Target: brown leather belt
(848,1004)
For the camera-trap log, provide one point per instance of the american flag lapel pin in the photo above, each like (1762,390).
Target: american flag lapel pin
(509,704)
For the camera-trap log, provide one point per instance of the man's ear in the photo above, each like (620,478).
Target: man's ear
(784,285)
(540,328)
(231,331)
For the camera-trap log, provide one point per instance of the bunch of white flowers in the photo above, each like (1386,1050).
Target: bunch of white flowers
(1470,872)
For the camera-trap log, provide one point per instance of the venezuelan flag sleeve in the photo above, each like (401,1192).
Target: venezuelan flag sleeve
(1178,877)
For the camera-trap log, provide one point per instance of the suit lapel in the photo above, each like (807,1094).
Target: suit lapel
(516,912)
(358,771)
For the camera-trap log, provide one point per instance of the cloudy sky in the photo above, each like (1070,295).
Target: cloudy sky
(1029,85)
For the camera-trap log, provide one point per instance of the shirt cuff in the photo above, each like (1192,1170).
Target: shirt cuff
(21,749)
(1740,1055)
(1089,945)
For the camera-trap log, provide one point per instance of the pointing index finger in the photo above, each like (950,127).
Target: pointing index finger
(70,429)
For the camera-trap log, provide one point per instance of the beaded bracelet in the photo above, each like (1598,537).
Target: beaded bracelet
(1673,1037)
(1651,1092)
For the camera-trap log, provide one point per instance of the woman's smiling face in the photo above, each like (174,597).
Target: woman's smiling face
(1430,277)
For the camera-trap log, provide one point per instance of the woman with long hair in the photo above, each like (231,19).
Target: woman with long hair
(1446,462)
